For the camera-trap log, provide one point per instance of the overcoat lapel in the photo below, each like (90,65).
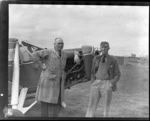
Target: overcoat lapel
(56,53)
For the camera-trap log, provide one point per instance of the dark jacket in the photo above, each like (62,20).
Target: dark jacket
(112,67)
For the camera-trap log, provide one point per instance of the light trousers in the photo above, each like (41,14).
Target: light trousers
(99,88)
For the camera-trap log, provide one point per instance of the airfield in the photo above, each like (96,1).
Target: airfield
(130,100)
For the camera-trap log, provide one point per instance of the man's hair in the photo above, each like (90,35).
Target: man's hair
(103,43)
(57,38)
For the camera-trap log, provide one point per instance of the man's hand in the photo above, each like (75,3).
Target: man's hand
(76,58)
(114,85)
(63,104)
(114,88)
(113,82)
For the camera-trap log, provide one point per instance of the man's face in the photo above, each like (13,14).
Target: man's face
(59,44)
(104,48)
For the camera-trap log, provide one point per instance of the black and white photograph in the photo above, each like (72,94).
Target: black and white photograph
(78,61)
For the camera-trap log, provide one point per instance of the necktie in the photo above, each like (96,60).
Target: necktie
(103,58)
(59,54)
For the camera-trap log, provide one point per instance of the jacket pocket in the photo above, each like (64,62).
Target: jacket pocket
(96,82)
(52,76)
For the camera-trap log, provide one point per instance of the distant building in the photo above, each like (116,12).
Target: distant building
(132,60)
(133,55)
(120,60)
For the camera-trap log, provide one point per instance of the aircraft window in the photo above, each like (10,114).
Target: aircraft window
(25,55)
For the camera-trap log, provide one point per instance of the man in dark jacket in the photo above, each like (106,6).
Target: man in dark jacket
(105,74)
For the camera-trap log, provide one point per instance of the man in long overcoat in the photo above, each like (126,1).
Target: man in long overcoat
(50,89)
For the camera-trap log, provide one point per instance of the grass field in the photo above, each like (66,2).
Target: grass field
(130,100)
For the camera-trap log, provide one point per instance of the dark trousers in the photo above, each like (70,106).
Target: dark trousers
(50,109)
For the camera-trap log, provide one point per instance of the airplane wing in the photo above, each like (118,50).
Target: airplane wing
(30,46)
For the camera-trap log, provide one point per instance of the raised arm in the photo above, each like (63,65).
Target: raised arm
(38,55)
(75,54)
(72,53)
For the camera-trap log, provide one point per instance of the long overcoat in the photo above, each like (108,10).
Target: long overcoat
(48,88)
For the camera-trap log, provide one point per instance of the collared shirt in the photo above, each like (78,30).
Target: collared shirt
(111,68)
(102,72)
(58,52)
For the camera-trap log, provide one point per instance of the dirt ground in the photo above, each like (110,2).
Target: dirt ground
(130,100)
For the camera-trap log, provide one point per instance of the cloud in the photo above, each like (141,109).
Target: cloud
(122,26)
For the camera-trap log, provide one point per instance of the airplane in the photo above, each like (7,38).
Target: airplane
(23,73)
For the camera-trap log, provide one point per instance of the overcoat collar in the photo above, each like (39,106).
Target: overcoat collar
(56,53)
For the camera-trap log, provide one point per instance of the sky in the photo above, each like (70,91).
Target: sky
(126,28)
